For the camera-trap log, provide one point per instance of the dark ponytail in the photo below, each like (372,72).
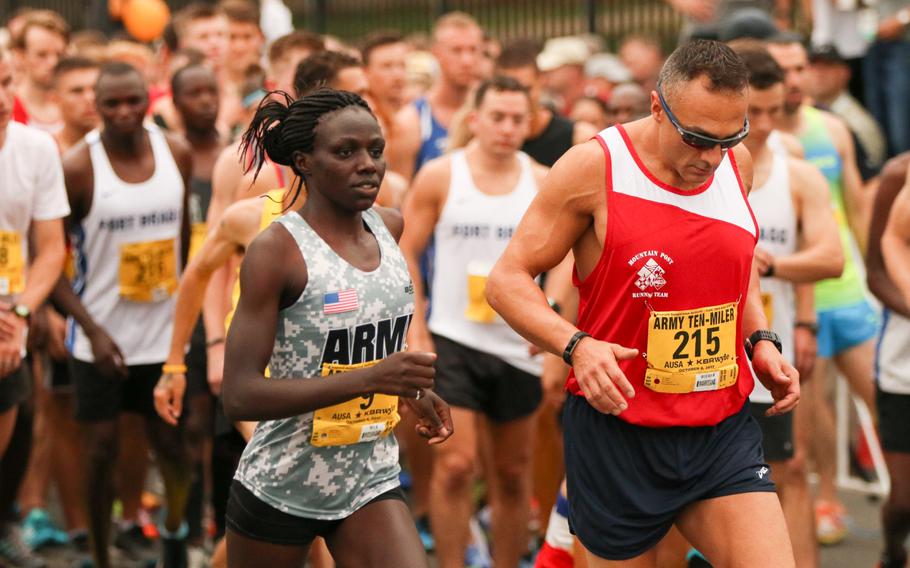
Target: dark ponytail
(282,127)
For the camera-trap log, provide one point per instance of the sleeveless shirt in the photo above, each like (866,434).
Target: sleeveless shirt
(433,135)
(471,234)
(671,282)
(343,319)
(772,204)
(127,255)
(849,288)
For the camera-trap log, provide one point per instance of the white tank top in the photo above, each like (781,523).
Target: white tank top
(471,235)
(892,369)
(772,204)
(127,255)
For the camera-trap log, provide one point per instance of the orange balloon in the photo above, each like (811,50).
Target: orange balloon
(145,19)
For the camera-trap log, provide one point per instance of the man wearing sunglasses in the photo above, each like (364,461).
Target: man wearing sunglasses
(658,430)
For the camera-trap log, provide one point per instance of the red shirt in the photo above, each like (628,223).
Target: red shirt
(669,251)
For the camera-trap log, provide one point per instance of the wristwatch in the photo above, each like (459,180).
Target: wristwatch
(763,335)
(22,311)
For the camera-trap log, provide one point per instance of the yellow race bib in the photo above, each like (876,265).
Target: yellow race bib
(692,350)
(767,303)
(148,271)
(362,419)
(12,264)
(478,310)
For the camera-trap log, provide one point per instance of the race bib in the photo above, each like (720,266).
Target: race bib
(362,419)
(148,271)
(197,237)
(767,303)
(12,264)
(692,350)
(478,310)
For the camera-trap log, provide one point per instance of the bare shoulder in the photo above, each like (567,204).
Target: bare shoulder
(805,176)
(393,219)
(743,159)
(240,222)
(792,144)
(435,173)
(578,177)
(583,131)
(181,150)
(540,172)
(838,129)
(78,174)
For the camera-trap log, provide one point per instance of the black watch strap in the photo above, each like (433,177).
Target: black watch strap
(763,335)
(572,344)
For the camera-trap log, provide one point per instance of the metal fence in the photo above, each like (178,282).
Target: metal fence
(504,19)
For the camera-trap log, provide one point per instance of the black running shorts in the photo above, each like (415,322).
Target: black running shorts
(628,483)
(15,387)
(776,432)
(893,421)
(99,398)
(472,379)
(249,516)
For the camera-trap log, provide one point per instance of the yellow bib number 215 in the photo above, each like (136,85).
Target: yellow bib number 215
(692,350)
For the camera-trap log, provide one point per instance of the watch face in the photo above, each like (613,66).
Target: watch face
(21,311)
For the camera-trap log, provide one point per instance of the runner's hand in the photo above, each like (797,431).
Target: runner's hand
(778,376)
(215,366)
(108,358)
(601,380)
(434,418)
(168,395)
(9,322)
(402,374)
(763,261)
(11,344)
(806,349)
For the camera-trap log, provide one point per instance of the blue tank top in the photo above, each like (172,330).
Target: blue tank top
(433,135)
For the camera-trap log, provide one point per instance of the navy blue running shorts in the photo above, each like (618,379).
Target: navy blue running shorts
(628,483)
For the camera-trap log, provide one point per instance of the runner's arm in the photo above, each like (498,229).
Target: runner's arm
(896,243)
(804,339)
(217,249)
(184,157)
(820,254)
(893,178)
(47,264)
(422,208)
(555,221)
(402,150)
(857,201)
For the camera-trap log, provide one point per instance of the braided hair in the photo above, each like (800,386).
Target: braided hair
(285,126)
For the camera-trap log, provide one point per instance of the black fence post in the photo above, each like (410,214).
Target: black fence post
(591,15)
(320,16)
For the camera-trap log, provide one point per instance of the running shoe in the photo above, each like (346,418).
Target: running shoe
(830,522)
(477,555)
(426,533)
(38,531)
(134,545)
(14,551)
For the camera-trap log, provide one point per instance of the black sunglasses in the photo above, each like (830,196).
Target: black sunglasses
(700,141)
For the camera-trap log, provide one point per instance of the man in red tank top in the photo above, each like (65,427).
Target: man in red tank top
(659,430)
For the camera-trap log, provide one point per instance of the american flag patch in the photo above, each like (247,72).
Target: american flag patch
(341,301)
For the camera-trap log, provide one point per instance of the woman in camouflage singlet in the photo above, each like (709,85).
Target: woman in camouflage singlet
(326,301)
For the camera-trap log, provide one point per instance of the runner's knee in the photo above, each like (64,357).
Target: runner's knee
(455,470)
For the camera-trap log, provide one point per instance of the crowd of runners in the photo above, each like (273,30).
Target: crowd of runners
(269,297)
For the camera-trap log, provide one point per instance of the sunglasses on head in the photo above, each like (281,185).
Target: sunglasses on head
(700,141)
